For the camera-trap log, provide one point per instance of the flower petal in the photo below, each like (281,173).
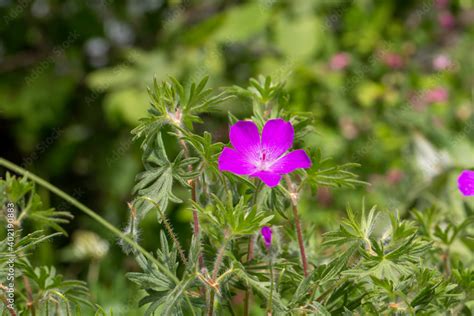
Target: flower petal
(277,137)
(466,182)
(235,162)
(245,138)
(291,161)
(269,178)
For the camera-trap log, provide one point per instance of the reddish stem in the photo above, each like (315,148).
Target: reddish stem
(29,292)
(293,198)
(195,217)
(300,240)
(10,310)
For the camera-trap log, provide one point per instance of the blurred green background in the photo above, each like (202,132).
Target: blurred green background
(390,84)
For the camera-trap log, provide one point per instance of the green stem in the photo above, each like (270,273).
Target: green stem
(94,215)
(270,300)
(169,229)
(196,226)
(250,251)
(27,208)
(219,258)
(93,273)
(215,272)
(446,263)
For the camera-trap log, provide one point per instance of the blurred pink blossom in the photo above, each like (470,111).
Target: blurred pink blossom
(442,4)
(393,60)
(394,176)
(435,95)
(446,20)
(339,61)
(442,62)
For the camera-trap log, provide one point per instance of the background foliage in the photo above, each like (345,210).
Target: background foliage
(389,84)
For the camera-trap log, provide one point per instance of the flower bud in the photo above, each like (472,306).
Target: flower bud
(267,236)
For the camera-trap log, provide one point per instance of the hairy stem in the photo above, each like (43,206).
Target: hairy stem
(215,272)
(196,227)
(29,292)
(219,258)
(294,206)
(95,216)
(210,308)
(270,299)
(26,282)
(247,292)
(300,240)
(250,252)
(446,263)
(10,310)
(170,231)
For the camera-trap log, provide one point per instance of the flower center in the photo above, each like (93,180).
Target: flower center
(263,163)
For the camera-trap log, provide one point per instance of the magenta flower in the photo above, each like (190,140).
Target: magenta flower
(267,236)
(466,182)
(263,157)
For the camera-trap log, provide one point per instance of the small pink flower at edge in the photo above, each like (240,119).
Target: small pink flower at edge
(267,236)
(466,182)
(265,156)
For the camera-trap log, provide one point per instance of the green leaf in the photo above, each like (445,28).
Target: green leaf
(163,294)
(325,173)
(156,182)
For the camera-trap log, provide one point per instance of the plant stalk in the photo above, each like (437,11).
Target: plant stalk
(26,281)
(196,227)
(170,231)
(29,292)
(215,272)
(270,299)
(250,252)
(294,206)
(10,310)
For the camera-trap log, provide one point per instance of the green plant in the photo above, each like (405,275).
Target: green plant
(360,270)
(373,263)
(39,290)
